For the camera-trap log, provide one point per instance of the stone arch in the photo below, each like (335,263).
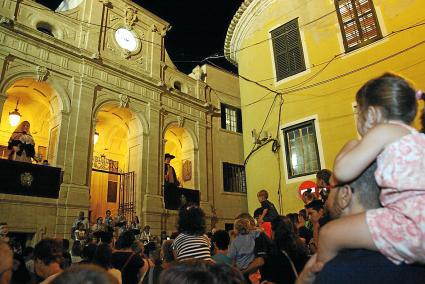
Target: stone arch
(37,99)
(63,96)
(113,122)
(186,151)
(170,122)
(110,98)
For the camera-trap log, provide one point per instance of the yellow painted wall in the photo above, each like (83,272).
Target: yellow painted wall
(331,102)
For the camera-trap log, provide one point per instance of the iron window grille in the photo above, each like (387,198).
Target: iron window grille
(234,178)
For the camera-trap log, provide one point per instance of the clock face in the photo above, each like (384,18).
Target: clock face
(126,39)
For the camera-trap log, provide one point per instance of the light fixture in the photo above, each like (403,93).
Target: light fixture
(15,116)
(95,137)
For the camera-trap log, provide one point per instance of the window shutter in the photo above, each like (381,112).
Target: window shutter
(287,49)
(239,120)
(223,115)
(358,22)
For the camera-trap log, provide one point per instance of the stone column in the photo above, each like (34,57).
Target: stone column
(75,141)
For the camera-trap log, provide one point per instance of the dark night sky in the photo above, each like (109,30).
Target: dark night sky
(198,28)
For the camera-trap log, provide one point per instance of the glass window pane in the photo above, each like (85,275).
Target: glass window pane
(302,154)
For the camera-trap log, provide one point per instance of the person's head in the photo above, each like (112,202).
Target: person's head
(308,196)
(323,177)
(221,239)
(388,97)
(103,256)
(108,213)
(189,272)
(85,274)
(125,240)
(6,263)
(23,127)
(4,230)
(146,228)
(302,216)
(200,272)
(99,220)
(262,195)
(136,219)
(248,217)
(45,162)
(315,209)
(242,226)
(293,217)
(81,215)
(191,220)
(168,158)
(283,233)
(355,197)
(48,257)
(257,213)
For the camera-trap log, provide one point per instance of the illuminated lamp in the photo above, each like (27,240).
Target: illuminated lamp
(15,116)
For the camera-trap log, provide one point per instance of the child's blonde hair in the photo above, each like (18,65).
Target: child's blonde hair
(263,193)
(242,226)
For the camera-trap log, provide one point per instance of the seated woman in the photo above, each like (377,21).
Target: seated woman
(21,144)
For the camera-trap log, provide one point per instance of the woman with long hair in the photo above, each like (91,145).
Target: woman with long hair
(21,144)
(290,253)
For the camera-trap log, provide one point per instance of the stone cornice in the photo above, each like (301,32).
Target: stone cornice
(240,25)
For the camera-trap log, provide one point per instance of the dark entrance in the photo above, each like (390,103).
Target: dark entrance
(111,189)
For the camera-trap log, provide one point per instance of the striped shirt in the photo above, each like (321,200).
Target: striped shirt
(189,246)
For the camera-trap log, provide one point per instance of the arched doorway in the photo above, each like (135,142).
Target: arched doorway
(37,103)
(115,161)
(179,143)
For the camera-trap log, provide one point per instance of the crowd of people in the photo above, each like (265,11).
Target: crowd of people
(363,223)
(108,227)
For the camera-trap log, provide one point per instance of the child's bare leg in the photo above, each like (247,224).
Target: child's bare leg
(346,232)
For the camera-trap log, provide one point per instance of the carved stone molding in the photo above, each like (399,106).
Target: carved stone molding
(125,53)
(6,21)
(154,28)
(180,121)
(130,17)
(42,73)
(105,2)
(124,100)
(95,55)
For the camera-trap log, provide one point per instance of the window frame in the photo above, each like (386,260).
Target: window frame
(243,171)
(287,151)
(358,24)
(281,75)
(238,115)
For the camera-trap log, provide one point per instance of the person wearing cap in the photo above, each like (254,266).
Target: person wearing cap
(171,183)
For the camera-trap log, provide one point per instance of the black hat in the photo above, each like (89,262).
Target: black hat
(169,156)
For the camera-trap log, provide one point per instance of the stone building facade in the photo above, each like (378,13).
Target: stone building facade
(102,68)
